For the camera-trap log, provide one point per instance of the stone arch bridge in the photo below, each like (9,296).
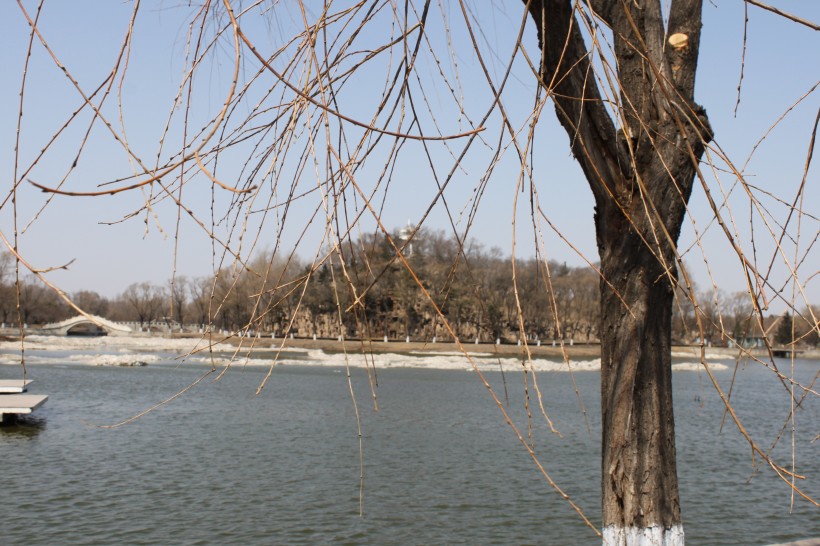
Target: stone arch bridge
(90,325)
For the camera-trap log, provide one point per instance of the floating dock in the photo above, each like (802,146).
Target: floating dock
(785,353)
(13,386)
(14,401)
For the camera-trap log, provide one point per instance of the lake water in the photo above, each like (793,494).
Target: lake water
(220,465)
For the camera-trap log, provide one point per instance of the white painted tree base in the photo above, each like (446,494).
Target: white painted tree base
(649,536)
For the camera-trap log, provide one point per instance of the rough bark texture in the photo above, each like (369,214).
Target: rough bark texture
(641,168)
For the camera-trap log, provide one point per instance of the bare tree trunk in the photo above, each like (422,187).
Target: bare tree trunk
(640,166)
(639,478)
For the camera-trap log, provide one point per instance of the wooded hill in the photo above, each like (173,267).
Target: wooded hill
(363,290)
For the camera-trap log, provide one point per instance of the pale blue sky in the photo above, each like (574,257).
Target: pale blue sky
(781,65)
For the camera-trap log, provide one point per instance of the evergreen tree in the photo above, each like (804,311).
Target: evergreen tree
(783,336)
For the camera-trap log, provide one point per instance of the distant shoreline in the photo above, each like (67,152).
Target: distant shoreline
(545,350)
(402,347)
(577,351)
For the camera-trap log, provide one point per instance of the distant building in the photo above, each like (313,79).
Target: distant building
(405,234)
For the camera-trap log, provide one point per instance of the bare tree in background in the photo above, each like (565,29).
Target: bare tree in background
(293,135)
(145,301)
(178,295)
(91,302)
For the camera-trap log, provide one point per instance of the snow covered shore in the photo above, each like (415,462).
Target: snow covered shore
(147,350)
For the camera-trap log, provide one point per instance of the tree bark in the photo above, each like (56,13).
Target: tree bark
(640,167)
(639,475)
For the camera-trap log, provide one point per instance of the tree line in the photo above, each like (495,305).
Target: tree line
(362,290)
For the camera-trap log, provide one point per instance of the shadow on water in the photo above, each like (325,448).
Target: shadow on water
(22,426)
